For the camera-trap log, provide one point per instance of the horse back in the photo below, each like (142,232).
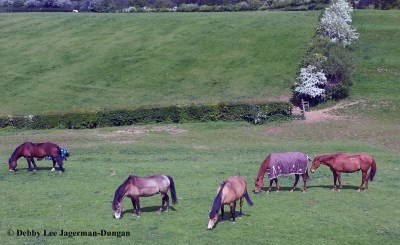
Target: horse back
(234,188)
(352,163)
(148,186)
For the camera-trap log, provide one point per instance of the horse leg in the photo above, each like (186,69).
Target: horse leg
(134,205)
(270,185)
(233,208)
(54,166)
(295,182)
(277,185)
(29,164)
(34,164)
(60,163)
(339,176)
(241,205)
(334,180)
(165,199)
(304,176)
(222,211)
(137,206)
(363,178)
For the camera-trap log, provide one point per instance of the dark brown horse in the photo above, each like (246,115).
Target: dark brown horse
(229,191)
(342,163)
(29,150)
(286,163)
(135,187)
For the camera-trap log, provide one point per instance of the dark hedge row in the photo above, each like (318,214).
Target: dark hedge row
(251,112)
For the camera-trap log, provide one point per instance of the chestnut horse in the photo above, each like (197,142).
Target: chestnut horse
(342,163)
(229,191)
(135,187)
(285,163)
(29,150)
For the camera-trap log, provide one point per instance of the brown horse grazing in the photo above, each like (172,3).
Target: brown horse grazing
(29,150)
(286,163)
(135,187)
(342,163)
(229,191)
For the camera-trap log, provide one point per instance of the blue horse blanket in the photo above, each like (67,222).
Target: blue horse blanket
(287,163)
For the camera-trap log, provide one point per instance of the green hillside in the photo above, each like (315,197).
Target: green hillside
(63,61)
(377,55)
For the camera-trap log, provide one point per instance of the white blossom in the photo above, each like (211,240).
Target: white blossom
(309,82)
(335,23)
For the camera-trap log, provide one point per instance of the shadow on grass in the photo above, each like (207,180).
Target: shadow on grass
(283,188)
(150,209)
(227,217)
(344,187)
(38,169)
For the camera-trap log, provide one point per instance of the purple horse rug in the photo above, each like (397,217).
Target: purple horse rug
(287,163)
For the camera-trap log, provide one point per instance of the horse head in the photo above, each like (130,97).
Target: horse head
(213,218)
(12,164)
(258,185)
(117,207)
(315,164)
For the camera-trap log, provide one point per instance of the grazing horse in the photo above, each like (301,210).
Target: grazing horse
(29,150)
(342,163)
(135,187)
(286,163)
(229,191)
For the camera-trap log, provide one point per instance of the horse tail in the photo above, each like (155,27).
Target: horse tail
(246,195)
(372,172)
(172,189)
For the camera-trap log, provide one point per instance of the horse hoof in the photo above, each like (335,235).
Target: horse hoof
(359,190)
(52,170)
(291,190)
(338,190)
(304,191)
(233,222)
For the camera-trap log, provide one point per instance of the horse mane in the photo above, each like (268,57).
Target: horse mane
(120,192)
(326,158)
(217,201)
(263,168)
(19,147)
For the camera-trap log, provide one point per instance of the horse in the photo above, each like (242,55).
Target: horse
(343,163)
(29,150)
(228,192)
(135,187)
(286,163)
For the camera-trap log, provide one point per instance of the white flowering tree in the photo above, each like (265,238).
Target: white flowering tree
(310,83)
(335,23)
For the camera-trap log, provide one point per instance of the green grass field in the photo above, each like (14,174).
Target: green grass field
(200,155)
(64,61)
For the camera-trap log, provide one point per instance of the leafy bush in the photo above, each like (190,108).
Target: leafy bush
(251,112)
(330,56)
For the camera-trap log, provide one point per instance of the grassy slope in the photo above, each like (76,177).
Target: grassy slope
(378,60)
(199,159)
(58,62)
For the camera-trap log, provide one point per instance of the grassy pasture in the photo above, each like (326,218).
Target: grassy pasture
(65,61)
(199,157)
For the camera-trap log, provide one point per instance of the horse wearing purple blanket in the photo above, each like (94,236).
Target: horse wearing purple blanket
(285,163)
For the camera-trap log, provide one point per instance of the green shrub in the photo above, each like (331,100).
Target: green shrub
(250,112)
